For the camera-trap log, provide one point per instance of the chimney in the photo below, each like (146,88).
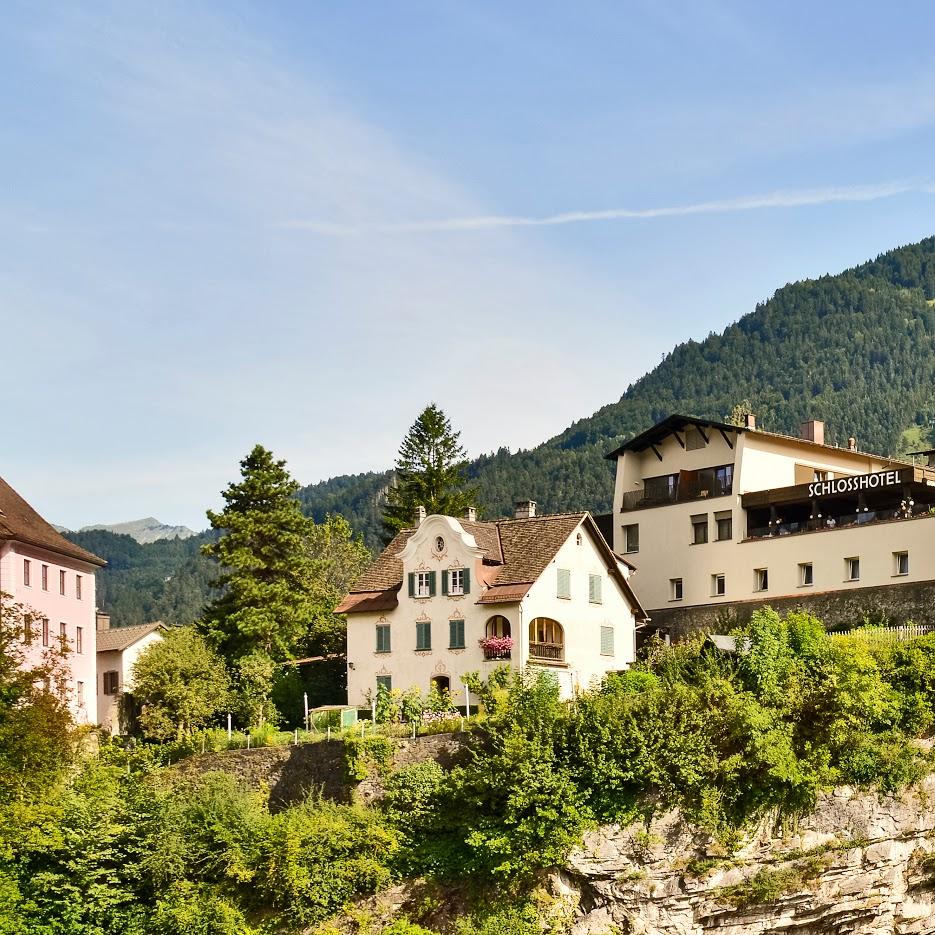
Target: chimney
(749,420)
(524,509)
(103,621)
(852,443)
(420,515)
(471,514)
(813,431)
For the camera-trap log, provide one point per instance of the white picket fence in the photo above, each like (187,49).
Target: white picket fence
(886,634)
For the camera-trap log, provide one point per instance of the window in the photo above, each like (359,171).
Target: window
(78,587)
(456,634)
(383,638)
(498,625)
(456,581)
(675,589)
(632,536)
(693,439)
(579,539)
(761,579)
(718,586)
(594,589)
(45,577)
(61,582)
(439,544)
(607,641)
(852,569)
(63,636)
(385,682)
(45,631)
(700,529)
(564,583)
(79,692)
(27,629)
(662,489)
(725,526)
(422,584)
(423,636)
(26,568)
(900,563)
(806,574)
(111,682)
(79,640)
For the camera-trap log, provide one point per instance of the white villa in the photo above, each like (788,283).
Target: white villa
(453,596)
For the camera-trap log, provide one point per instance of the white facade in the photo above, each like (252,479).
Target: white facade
(595,630)
(780,542)
(115,669)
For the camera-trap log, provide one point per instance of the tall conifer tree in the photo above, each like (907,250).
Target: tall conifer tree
(266,602)
(429,472)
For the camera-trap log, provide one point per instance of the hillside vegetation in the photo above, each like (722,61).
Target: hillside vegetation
(856,349)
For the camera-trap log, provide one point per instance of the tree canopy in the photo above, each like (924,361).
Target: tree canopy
(429,472)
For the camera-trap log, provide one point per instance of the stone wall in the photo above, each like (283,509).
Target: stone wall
(894,604)
(860,864)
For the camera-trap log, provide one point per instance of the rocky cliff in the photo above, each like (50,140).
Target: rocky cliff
(860,863)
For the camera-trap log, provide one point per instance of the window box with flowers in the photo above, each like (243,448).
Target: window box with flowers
(497,647)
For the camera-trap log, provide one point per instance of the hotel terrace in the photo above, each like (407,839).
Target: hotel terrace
(721,517)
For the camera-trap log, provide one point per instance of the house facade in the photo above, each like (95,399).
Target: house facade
(453,596)
(54,579)
(720,519)
(118,648)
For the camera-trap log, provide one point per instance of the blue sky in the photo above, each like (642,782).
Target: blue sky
(297,223)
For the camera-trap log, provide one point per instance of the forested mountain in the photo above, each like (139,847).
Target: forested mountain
(167,580)
(856,349)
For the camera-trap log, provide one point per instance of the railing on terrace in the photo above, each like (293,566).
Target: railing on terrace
(490,653)
(845,521)
(683,491)
(553,652)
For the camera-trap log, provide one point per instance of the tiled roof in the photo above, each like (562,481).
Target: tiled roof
(20,522)
(120,638)
(522,548)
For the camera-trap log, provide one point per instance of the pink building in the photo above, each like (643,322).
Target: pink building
(55,578)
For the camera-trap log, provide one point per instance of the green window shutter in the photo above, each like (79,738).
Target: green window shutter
(412,584)
(383,638)
(444,582)
(607,641)
(385,682)
(423,636)
(456,634)
(466,580)
(431,584)
(564,582)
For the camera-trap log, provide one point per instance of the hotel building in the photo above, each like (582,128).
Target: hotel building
(720,519)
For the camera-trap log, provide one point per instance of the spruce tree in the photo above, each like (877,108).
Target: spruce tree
(267,602)
(429,472)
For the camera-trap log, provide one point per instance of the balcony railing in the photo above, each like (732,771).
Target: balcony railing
(552,652)
(681,492)
(497,653)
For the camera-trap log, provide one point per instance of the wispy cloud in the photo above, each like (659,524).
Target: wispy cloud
(779,199)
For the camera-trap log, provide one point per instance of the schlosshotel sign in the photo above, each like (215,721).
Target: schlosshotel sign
(853,484)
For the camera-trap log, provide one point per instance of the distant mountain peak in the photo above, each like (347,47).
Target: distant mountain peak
(145,530)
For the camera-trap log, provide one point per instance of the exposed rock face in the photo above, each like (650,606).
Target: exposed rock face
(144,530)
(859,864)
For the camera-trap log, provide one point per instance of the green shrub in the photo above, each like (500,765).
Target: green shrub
(361,754)
(187,909)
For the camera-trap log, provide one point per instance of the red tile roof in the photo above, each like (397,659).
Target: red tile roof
(120,638)
(522,548)
(19,522)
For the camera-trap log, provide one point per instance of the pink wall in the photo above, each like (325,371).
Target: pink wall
(58,608)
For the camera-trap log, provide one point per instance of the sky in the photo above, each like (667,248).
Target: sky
(299,223)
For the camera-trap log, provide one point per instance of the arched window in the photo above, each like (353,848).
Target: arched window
(498,626)
(546,639)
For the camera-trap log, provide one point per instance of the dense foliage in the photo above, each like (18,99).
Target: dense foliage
(429,472)
(123,845)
